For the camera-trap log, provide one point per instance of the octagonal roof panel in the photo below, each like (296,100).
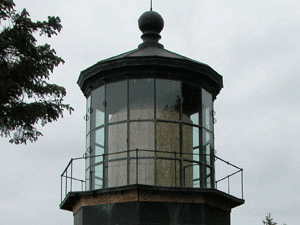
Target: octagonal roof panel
(150,60)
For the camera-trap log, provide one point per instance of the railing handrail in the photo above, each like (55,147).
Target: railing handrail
(230,175)
(177,156)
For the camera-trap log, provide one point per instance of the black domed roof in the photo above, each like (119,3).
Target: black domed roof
(150,60)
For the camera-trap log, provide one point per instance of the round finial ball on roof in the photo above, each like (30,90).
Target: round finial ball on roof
(151,21)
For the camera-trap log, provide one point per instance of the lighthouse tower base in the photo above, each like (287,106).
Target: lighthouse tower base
(145,205)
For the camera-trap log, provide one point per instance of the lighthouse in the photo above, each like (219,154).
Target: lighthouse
(150,156)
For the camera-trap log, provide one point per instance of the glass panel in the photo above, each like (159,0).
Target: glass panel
(168,146)
(168,173)
(208,177)
(117,137)
(87,180)
(141,135)
(99,154)
(141,99)
(87,162)
(97,107)
(191,99)
(195,118)
(196,184)
(207,146)
(196,157)
(142,138)
(99,175)
(207,158)
(146,168)
(207,110)
(196,166)
(167,137)
(88,115)
(168,99)
(99,117)
(117,165)
(187,153)
(98,183)
(116,101)
(99,141)
(88,144)
(195,137)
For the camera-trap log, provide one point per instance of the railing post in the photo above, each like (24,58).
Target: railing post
(61,180)
(155,168)
(175,170)
(242,183)
(137,166)
(228,185)
(66,188)
(181,169)
(71,175)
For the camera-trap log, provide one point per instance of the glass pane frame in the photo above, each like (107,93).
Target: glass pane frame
(168,99)
(116,102)
(207,110)
(141,99)
(104,105)
(97,108)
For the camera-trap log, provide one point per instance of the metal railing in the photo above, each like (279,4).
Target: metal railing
(67,180)
(73,177)
(236,170)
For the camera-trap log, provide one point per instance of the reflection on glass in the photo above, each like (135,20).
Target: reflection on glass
(187,137)
(195,137)
(99,118)
(99,154)
(88,115)
(97,107)
(207,145)
(88,147)
(207,118)
(99,141)
(116,101)
(168,99)
(196,184)
(208,177)
(195,118)
(98,176)
(196,168)
(191,99)
(87,179)
(207,159)
(141,99)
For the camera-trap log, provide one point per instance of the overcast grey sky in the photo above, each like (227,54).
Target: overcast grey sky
(254,45)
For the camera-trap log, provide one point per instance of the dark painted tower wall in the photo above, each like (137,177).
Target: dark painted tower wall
(150,156)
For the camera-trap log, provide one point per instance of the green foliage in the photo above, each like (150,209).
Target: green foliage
(26,99)
(269,220)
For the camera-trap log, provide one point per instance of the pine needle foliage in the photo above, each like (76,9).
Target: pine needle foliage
(26,98)
(269,220)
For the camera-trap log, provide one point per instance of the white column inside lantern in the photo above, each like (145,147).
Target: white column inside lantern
(142,136)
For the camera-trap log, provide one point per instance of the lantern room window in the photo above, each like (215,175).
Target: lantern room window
(158,129)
